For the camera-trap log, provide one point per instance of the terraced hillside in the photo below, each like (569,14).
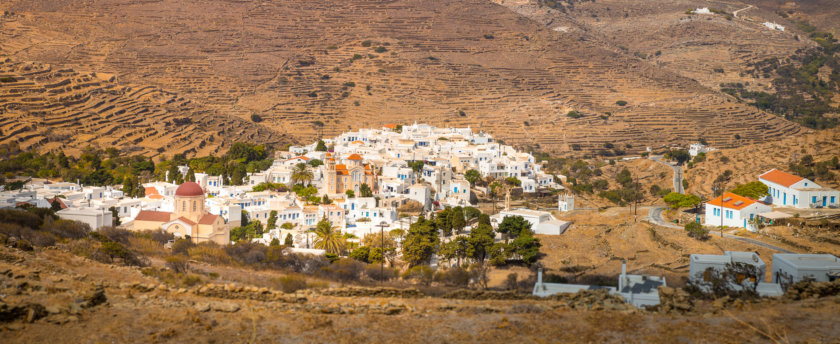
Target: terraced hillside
(312,68)
(712,48)
(50,108)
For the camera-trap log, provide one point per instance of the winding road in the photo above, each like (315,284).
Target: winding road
(655,217)
(678,186)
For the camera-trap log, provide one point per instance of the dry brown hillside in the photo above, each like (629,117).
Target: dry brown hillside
(749,161)
(350,64)
(53,108)
(709,48)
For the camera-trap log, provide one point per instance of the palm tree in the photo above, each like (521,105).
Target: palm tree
(329,238)
(301,174)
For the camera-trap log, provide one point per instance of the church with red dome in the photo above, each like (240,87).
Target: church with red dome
(189,218)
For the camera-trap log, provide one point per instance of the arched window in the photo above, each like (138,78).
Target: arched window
(183,205)
(194,206)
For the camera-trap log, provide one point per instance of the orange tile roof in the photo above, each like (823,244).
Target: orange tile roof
(391,126)
(152,193)
(732,200)
(299,157)
(154,216)
(359,142)
(782,178)
(354,157)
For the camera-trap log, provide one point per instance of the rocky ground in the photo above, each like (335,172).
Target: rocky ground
(48,294)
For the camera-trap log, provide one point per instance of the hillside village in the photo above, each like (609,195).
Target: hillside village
(365,183)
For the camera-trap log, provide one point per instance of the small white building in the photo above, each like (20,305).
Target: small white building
(731,210)
(95,218)
(566,202)
(790,268)
(789,190)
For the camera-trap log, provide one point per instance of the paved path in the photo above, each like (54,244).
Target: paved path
(655,217)
(678,187)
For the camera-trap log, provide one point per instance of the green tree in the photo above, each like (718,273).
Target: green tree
(321,146)
(754,190)
(190,175)
(365,191)
(499,254)
(443,221)
(315,162)
(289,240)
(527,247)
(274,242)
(680,156)
(457,219)
(350,193)
(172,175)
(301,174)
(420,243)
(361,254)
(472,176)
(481,239)
(678,200)
(513,227)
(272,221)
(329,238)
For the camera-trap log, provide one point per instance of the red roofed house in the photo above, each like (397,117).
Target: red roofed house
(189,218)
(389,127)
(789,190)
(350,176)
(731,210)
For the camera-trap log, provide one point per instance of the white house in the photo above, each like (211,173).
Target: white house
(789,190)
(790,268)
(731,210)
(639,290)
(421,193)
(95,218)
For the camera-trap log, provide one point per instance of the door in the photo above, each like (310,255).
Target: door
(824,199)
(784,199)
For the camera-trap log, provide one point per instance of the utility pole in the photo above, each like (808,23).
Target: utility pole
(382,226)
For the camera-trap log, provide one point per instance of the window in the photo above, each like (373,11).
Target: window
(814,199)
(194,206)
(183,205)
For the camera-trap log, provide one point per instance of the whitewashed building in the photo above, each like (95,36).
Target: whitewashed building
(731,210)
(789,190)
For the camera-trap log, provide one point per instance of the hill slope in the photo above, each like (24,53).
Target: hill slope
(300,64)
(63,109)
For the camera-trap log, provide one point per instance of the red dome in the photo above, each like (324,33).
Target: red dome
(189,189)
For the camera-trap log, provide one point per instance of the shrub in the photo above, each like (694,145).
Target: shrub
(377,273)
(455,277)
(366,43)
(420,273)
(146,246)
(256,118)
(695,230)
(209,253)
(573,114)
(177,263)
(292,283)
(344,270)
(182,246)
(380,49)
(621,103)
(7,79)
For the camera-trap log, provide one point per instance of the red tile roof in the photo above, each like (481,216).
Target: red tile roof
(782,178)
(208,219)
(391,126)
(732,201)
(155,216)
